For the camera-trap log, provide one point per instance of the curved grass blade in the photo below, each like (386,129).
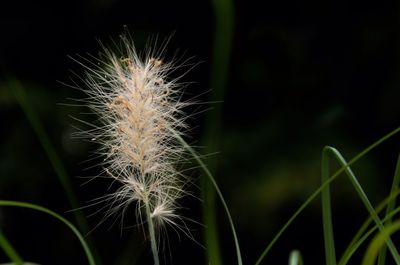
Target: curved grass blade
(9,250)
(52,155)
(57,216)
(49,149)
(390,208)
(364,199)
(218,191)
(361,233)
(378,242)
(323,185)
(388,202)
(362,238)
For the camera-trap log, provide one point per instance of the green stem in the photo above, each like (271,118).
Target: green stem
(330,255)
(363,237)
(57,216)
(391,206)
(9,250)
(50,150)
(152,234)
(379,241)
(222,45)
(54,158)
(218,191)
(351,247)
(364,199)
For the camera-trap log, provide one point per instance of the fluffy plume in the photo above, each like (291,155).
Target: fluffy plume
(140,114)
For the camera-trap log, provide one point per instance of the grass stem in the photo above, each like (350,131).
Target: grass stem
(9,250)
(330,255)
(219,193)
(152,234)
(221,52)
(57,216)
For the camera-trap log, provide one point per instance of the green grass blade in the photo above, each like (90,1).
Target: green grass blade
(377,243)
(53,157)
(49,149)
(57,216)
(218,191)
(319,190)
(364,199)
(362,238)
(295,258)
(355,240)
(390,207)
(221,51)
(9,250)
(330,255)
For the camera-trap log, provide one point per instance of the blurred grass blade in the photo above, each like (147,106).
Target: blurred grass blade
(25,263)
(317,192)
(218,191)
(9,250)
(364,199)
(48,147)
(295,258)
(330,255)
(57,216)
(53,157)
(221,51)
(390,208)
(378,242)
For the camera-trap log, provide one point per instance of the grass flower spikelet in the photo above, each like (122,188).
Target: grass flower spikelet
(140,113)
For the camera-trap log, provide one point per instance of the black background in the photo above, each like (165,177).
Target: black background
(302,75)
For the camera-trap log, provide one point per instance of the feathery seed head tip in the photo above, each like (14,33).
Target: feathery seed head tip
(140,114)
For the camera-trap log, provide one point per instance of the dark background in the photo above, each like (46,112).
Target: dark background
(302,75)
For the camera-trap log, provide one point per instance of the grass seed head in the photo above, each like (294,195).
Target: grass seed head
(140,112)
